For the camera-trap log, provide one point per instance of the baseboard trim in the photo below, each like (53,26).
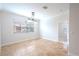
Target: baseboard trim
(17,42)
(49,39)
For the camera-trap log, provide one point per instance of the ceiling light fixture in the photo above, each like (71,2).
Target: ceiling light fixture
(32,17)
(45,7)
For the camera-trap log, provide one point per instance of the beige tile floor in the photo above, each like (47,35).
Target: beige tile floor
(39,47)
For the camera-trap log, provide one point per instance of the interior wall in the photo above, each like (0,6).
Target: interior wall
(0,34)
(74,29)
(0,28)
(49,27)
(8,35)
(0,38)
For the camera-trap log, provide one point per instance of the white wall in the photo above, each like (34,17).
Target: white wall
(74,29)
(0,38)
(0,28)
(0,34)
(8,35)
(49,27)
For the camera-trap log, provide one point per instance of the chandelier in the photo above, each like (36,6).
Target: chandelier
(32,17)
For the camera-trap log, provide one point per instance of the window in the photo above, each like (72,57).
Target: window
(23,27)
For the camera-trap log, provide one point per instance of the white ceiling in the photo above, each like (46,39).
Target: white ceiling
(26,9)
